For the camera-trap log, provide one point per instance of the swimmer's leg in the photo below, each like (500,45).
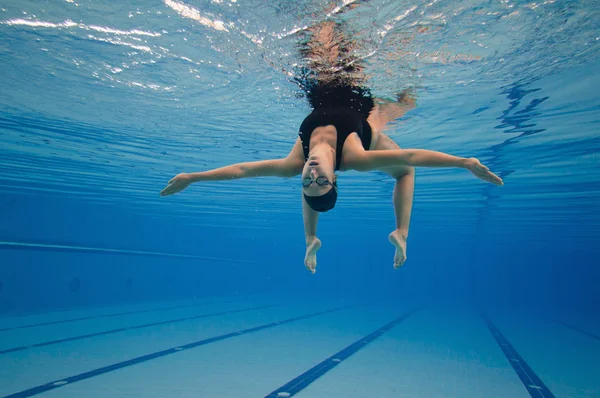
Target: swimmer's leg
(402,199)
(313,244)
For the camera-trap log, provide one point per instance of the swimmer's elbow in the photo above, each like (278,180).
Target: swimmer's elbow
(243,170)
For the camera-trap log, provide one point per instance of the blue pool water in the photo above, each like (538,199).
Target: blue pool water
(108,289)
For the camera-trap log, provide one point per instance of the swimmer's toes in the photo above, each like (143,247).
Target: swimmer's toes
(399,259)
(399,241)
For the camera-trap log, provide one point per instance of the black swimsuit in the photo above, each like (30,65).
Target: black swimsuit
(345,120)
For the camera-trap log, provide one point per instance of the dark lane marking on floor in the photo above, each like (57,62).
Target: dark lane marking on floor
(594,336)
(85,318)
(147,325)
(530,380)
(296,385)
(144,358)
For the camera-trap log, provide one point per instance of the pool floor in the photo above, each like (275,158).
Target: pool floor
(265,346)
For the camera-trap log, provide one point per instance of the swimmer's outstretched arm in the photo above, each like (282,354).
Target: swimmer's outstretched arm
(376,160)
(263,168)
(289,166)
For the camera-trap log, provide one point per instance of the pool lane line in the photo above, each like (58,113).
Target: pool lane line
(296,385)
(85,318)
(534,385)
(593,336)
(105,250)
(148,357)
(146,325)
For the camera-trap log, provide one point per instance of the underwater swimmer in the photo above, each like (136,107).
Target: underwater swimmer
(333,140)
(345,131)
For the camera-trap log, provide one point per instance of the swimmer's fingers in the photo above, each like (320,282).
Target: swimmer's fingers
(490,177)
(408,92)
(483,172)
(168,190)
(176,184)
(407,97)
(173,188)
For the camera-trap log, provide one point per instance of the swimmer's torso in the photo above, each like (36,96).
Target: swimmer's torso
(345,120)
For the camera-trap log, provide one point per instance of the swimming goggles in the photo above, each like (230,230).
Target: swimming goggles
(321,181)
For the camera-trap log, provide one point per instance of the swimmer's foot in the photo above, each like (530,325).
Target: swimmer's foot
(398,239)
(310,260)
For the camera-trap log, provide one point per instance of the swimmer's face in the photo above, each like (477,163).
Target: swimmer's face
(320,170)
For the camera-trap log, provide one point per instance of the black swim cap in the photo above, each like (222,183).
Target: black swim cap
(324,202)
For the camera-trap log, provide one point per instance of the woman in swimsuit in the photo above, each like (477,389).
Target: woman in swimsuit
(343,132)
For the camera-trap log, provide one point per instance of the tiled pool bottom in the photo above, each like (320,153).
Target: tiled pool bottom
(270,347)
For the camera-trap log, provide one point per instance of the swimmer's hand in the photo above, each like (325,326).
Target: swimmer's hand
(481,171)
(177,184)
(408,97)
